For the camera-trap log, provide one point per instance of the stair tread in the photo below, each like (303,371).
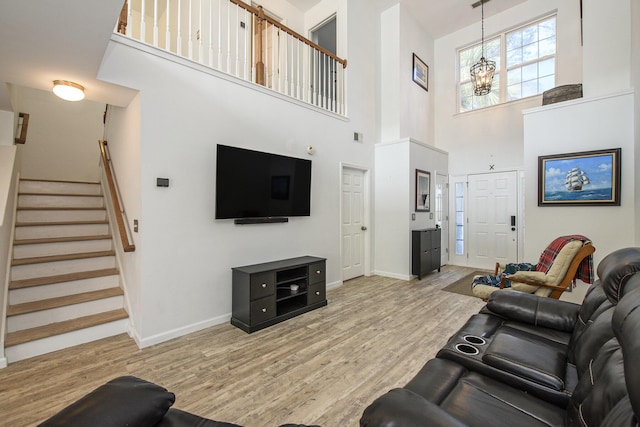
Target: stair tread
(40,332)
(31,224)
(65,257)
(46,194)
(61,239)
(46,304)
(61,278)
(61,208)
(59,181)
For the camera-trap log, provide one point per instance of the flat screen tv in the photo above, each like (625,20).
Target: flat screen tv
(254,184)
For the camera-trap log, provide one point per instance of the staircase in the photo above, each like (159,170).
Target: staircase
(65,286)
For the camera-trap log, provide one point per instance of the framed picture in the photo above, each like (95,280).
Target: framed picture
(423,183)
(589,178)
(420,73)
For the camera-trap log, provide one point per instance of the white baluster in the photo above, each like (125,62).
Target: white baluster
(129,19)
(211,33)
(190,40)
(143,25)
(167,41)
(155,23)
(219,34)
(237,27)
(179,39)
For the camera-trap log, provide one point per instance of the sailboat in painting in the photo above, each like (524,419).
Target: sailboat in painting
(576,179)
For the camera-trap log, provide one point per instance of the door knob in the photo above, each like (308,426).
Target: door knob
(363,228)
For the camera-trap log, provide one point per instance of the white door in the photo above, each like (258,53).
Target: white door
(353,227)
(442,214)
(492,208)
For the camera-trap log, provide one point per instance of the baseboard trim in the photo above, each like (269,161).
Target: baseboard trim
(393,275)
(178,332)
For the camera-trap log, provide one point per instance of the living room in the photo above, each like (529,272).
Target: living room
(180,277)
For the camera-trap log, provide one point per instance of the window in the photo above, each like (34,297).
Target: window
(525,65)
(459,188)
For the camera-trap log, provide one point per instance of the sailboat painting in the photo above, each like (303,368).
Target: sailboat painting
(586,178)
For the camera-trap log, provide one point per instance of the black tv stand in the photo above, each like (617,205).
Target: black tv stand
(269,293)
(270,220)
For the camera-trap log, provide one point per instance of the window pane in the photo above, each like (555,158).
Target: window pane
(514,57)
(548,46)
(529,88)
(547,28)
(547,67)
(530,72)
(514,76)
(514,92)
(514,40)
(530,34)
(530,52)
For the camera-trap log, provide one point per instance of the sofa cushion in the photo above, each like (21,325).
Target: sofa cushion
(542,362)
(124,401)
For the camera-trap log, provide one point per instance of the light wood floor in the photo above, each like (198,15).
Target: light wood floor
(323,367)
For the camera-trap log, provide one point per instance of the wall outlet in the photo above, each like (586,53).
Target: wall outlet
(413,217)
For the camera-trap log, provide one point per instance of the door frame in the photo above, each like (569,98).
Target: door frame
(366,216)
(463,260)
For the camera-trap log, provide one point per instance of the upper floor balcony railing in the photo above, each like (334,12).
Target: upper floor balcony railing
(240,40)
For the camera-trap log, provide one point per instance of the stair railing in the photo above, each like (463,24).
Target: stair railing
(118,207)
(241,40)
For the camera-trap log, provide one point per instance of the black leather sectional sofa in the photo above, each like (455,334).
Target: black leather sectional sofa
(531,361)
(521,361)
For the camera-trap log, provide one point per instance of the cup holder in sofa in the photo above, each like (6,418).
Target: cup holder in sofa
(467,349)
(473,339)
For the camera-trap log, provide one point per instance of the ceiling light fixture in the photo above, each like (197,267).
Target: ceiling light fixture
(69,91)
(482,71)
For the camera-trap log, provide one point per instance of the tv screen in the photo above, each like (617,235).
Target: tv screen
(253,184)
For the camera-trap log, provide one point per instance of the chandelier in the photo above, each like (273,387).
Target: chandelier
(483,70)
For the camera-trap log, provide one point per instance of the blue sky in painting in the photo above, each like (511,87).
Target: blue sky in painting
(597,168)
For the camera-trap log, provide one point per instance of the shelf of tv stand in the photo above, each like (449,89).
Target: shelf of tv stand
(262,295)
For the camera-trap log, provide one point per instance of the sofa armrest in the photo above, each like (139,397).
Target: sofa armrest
(403,408)
(534,310)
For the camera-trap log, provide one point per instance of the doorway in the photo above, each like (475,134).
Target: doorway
(353,222)
(324,72)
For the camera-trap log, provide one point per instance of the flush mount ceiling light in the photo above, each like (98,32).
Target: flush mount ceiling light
(69,91)
(483,70)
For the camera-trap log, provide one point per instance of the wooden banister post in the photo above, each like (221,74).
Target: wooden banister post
(259,19)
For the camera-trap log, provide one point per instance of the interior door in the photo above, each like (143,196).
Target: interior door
(353,226)
(442,215)
(492,208)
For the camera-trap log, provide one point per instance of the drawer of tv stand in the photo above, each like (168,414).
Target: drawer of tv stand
(262,310)
(317,292)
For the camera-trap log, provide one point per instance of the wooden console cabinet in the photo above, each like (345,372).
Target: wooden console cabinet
(425,251)
(264,294)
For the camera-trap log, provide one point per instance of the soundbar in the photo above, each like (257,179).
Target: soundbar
(244,221)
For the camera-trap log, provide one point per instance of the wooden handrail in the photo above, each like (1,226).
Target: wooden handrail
(126,245)
(259,12)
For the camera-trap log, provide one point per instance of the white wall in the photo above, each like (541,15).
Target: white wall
(122,134)
(7,131)
(395,174)
(493,136)
(607,46)
(581,125)
(62,140)
(185,255)
(8,174)
(406,108)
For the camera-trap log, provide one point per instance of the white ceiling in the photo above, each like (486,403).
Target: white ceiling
(66,39)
